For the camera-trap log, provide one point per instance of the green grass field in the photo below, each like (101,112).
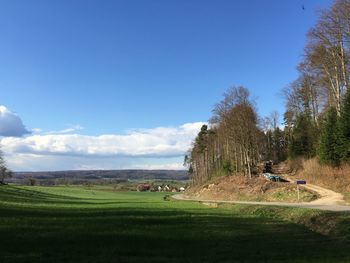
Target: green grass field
(72,224)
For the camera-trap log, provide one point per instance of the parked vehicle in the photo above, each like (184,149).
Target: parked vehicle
(272,177)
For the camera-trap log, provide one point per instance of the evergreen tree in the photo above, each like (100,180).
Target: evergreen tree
(304,137)
(329,149)
(344,126)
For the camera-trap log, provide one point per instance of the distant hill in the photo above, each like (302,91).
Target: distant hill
(97,176)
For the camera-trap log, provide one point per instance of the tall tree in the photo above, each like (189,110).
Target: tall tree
(329,149)
(275,139)
(304,137)
(231,144)
(344,125)
(327,52)
(323,80)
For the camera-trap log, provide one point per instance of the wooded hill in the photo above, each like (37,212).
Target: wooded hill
(95,176)
(316,118)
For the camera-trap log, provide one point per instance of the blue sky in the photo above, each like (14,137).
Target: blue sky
(109,67)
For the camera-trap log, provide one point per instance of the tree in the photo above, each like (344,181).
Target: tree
(4,171)
(320,89)
(279,145)
(327,52)
(32,182)
(304,137)
(231,144)
(275,139)
(329,149)
(344,125)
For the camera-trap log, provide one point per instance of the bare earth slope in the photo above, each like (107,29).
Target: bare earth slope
(329,200)
(327,196)
(241,188)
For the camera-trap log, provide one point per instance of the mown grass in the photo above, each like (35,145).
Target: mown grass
(72,224)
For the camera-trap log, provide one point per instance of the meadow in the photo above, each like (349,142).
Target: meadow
(76,224)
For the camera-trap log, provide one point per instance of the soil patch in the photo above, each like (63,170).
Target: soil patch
(240,188)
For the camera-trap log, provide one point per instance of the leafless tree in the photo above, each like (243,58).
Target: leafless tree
(4,171)
(231,144)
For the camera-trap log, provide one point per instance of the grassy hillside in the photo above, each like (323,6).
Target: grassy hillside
(67,224)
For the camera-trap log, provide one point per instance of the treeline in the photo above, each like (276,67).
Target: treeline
(82,176)
(236,140)
(316,120)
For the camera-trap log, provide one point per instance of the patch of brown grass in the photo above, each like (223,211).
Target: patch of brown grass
(335,178)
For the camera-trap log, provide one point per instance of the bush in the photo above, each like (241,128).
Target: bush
(31,181)
(227,167)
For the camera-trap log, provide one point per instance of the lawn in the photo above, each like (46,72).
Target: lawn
(75,224)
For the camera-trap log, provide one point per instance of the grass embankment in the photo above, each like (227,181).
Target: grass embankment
(333,224)
(67,224)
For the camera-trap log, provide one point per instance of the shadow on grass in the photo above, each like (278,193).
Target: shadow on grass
(156,235)
(13,193)
(133,227)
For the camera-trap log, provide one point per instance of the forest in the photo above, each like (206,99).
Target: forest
(316,119)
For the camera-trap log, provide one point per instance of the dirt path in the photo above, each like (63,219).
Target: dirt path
(327,197)
(329,200)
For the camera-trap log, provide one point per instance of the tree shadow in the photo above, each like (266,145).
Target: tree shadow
(151,235)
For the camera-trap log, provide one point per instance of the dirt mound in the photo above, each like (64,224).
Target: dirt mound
(240,188)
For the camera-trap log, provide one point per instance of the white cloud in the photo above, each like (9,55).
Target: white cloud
(148,146)
(36,130)
(74,128)
(11,124)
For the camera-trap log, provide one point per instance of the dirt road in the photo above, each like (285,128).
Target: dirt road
(329,200)
(327,197)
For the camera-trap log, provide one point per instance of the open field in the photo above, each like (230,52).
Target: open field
(72,224)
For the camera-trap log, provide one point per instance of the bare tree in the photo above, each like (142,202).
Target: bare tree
(4,171)
(328,50)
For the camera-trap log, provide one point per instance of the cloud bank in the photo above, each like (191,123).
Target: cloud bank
(11,124)
(143,148)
